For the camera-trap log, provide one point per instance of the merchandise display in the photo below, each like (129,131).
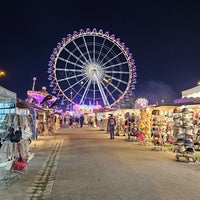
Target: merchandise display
(184,134)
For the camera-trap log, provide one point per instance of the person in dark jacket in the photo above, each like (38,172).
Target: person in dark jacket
(81,120)
(111,124)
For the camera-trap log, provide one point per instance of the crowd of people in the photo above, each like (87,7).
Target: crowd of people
(72,121)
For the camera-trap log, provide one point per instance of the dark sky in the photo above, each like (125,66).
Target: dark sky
(163,36)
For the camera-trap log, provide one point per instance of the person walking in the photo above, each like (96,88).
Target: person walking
(111,124)
(81,120)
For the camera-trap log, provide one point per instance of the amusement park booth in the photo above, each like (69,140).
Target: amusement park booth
(7,102)
(42,109)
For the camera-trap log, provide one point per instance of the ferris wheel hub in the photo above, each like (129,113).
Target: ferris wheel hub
(94,71)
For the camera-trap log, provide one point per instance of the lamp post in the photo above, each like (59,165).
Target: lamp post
(34,79)
(2,73)
(71,101)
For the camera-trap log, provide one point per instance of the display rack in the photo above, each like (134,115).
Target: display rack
(184,132)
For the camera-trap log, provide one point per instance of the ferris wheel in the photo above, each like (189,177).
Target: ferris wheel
(92,67)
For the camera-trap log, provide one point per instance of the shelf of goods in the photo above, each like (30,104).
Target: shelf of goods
(184,135)
(162,134)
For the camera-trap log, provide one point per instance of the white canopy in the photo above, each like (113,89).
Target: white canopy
(7,95)
(193,92)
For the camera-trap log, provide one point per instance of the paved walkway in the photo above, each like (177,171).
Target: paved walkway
(39,179)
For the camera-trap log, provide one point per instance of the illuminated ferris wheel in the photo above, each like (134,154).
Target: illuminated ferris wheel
(92,67)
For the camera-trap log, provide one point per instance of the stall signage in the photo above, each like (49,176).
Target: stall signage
(7,105)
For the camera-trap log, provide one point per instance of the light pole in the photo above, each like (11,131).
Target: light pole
(71,101)
(2,73)
(34,79)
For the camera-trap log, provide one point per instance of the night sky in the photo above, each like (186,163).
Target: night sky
(163,36)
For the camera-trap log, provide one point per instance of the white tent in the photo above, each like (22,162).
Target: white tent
(7,95)
(191,93)
(7,102)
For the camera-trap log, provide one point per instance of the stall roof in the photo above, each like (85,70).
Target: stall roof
(7,95)
(192,92)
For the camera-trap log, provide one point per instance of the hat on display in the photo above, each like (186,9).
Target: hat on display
(180,141)
(176,110)
(181,149)
(176,130)
(189,131)
(169,114)
(177,124)
(189,149)
(176,117)
(197,143)
(180,135)
(189,142)
(186,110)
(186,125)
(186,118)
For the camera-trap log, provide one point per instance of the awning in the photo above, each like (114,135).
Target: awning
(192,93)
(7,95)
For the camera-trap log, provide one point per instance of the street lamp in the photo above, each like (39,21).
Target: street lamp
(2,73)
(34,79)
(71,109)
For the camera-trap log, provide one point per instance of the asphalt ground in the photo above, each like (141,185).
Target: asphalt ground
(84,164)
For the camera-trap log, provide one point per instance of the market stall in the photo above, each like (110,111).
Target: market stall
(7,102)
(42,110)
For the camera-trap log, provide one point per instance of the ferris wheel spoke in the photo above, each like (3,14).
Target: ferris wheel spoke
(94,92)
(114,86)
(112,58)
(102,92)
(86,46)
(104,97)
(69,78)
(73,55)
(117,72)
(110,94)
(119,80)
(85,92)
(94,47)
(68,70)
(67,61)
(63,79)
(115,65)
(101,49)
(82,88)
(107,90)
(75,76)
(80,51)
(71,86)
(107,54)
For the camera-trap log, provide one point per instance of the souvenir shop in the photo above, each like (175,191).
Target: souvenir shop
(16,130)
(7,102)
